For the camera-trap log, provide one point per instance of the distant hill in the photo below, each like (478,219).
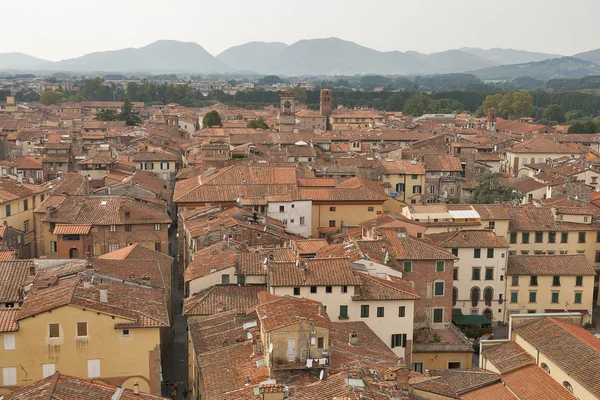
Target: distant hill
(509,56)
(159,57)
(252,56)
(592,55)
(565,67)
(455,61)
(20,61)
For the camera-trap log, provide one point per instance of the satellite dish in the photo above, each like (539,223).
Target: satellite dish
(271,348)
(322,374)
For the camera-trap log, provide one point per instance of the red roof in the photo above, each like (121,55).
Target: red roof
(61,229)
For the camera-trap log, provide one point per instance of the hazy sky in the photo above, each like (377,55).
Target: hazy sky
(61,29)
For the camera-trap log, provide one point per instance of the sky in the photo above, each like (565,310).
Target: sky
(60,29)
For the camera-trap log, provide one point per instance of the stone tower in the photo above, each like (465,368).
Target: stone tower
(491,119)
(171,123)
(287,111)
(326,102)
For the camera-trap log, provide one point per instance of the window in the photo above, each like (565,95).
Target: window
(164,165)
(438,315)
(490,253)
(532,297)
(127,215)
(476,274)
(455,276)
(331,208)
(281,208)
(9,341)
(127,228)
(113,247)
(48,370)
(54,330)
(554,299)
(551,237)
(42,197)
(225,279)
(417,189)
(407,266)
(439,266)
(332,223)
(401,312)
(581,238)
(343,311)
(398,340)
(579,281)
(301,221)
(157,227)
(113,228)
(525,237)
(524,252)
(432,189)
(9,376)
(320,342)
(344,289)
(597,237)
(556,280)
(597,257)
(328,289)
(564,236)
(313,289)
(258,235)
(455,252)
(438,289)
(93,368)
(489,274)
(539,237)
(578,296)
(296,291)
(53,247)
(380,312)
(26,226)
(126,332)
(241,280)
(477,253)
(364,311)
(533,280)
(513,238)
(82,329)
(545,367)
(25,205)
(492,225)
(8,210)
(568,386)
(418,367)
(514,297)
(370,209)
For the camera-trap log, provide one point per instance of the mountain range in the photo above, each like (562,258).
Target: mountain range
(329,56)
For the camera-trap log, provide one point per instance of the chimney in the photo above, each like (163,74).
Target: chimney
(353,338)
(50,211)
(103,296)
(32,270)
(136,388)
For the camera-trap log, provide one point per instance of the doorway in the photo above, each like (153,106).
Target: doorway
(73,253)
(488,314)
(291,349)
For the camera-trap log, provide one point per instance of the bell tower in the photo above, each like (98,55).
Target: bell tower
(287,111)
(491,119)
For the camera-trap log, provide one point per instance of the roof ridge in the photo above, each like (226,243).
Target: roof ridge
(383,282)
(50,393)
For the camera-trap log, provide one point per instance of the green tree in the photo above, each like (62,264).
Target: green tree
(395,103)
(416,105)
(270,80)
(490,190)
(106,115)
(577,127)
(491,101)
(258,123)
(554,112)
(212,118)
(50,97)
(128,115)
(300,93)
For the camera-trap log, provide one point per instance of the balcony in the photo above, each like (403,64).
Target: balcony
(284,364)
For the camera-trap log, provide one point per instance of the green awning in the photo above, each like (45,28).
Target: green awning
(460,319)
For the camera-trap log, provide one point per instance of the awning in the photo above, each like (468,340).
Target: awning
(63,229)
(464,214)
(459,319)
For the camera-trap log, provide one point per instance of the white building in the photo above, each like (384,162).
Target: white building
(295,214)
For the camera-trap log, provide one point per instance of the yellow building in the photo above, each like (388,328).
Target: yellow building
(445,348)
(17,202)
(89,327)
(549,283)
(354,120)
(405,178)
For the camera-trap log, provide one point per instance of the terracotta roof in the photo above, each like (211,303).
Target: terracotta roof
(456,382)
(13,275)
(508,357)
(154,156)
(308,246)
(318,272)
(532,383)
(285,311)
(62,229)
(407,248)
(220,298)
(217,257)
(390,288)
(405,167)
(213,332)
(538,264)
(492,211)
(442,162)
(496,391)
(252,262)
(566,345)
(10,190)
(28,162)
(8,318)
(469,239)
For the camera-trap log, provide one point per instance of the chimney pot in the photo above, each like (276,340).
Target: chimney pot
(103,296)
(353,338)
(136,388)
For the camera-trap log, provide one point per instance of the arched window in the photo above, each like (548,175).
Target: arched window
(475,295)
(545,367)
(454,296)
(568,386)
(488,295)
